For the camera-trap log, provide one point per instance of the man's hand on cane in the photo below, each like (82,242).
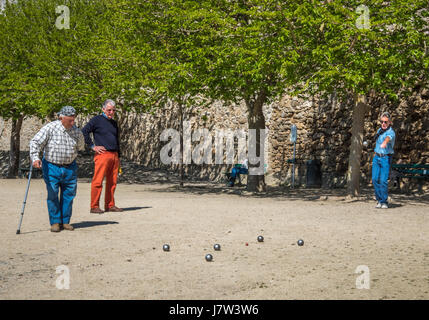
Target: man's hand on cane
(37,164)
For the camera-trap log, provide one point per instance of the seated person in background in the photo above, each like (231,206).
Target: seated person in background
(237,170)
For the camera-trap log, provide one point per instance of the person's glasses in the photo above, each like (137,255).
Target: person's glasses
(384,121)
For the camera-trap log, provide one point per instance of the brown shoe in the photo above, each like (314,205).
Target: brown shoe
(55,227)
(114,209)
(67,226)
(96,210)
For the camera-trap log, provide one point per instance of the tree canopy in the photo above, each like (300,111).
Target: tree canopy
(358,48)
(44,67)
(146,53)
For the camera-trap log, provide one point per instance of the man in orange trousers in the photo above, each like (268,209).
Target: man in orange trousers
(106,159)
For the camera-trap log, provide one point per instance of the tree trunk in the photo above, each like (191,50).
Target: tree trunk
(181,169)
(353,174)
(256,120)
(15,143)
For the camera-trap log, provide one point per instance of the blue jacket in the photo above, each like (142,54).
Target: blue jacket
(105,132)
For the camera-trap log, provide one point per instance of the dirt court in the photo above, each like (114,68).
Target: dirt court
(120,256)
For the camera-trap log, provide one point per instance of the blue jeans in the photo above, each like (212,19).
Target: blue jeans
(236,171)
(380,176)
(64,179)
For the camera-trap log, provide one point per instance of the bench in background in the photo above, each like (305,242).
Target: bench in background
(419,172)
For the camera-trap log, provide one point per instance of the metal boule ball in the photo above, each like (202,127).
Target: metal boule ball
(209,257)
(216,247)
(365,143)
(166,247)
(300,242)
(260,239)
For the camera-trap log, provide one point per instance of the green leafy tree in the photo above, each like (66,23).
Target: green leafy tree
(356,50)
(161,54)
(17,70)
(234,51)
(257,57)
(48,59)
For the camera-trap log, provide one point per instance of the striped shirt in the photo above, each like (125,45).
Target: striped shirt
(59,145)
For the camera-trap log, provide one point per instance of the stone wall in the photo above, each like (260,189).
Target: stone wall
(29,128)
(143,131)
(323,134)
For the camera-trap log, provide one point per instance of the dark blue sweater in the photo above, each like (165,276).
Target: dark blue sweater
(105,132)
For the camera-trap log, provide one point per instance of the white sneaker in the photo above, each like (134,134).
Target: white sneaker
(378,206)
(384,206)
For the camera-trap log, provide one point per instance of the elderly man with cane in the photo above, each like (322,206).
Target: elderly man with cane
(60,141)
(385,141)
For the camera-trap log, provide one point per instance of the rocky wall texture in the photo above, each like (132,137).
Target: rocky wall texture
(29,128)
(141,135)
(324,132)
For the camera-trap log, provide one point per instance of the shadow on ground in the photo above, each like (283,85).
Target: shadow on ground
(135,208)
(89,224)
(286,193)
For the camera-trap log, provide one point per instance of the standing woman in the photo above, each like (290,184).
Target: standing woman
(384,143)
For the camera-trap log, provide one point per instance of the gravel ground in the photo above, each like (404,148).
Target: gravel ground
(120,256)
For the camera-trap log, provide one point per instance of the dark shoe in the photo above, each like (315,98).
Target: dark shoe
(97,210)
(55,227)
(114,209)
(67,226)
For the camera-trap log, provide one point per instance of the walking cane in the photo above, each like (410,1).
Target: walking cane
(25,198)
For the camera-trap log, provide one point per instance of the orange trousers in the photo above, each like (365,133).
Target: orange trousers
(106,165)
